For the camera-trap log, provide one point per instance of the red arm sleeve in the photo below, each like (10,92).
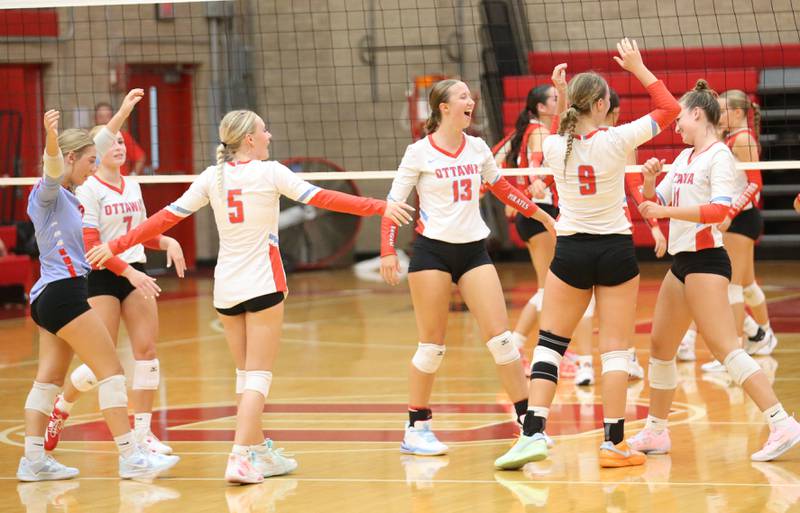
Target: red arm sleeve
(347,203)
(555,123)
(667,107)
(154,243)
(162,221)
(91,238)
(388,237)
(512,197)
(633,181)
(742,201)
(713,213)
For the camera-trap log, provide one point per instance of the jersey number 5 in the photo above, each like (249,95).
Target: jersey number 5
(237,216)
(462,190)
(586,178)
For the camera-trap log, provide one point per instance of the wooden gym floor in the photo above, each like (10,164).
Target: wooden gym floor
(338,403)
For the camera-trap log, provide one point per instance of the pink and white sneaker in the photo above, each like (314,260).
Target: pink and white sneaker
(241,470)
(780,440)
(54,427)
(650,442)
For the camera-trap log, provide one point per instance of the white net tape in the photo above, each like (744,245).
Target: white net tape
(782,165)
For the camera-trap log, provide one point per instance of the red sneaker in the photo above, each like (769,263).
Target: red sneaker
(54,427)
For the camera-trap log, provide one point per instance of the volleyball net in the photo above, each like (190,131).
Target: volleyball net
(343,84)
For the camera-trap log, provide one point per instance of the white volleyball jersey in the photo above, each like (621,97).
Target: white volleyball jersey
(708,177)
(113,211)
(590,188)
(245,198)
(448,186)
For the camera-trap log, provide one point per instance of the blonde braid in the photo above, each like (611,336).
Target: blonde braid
(567,125)
(218,175)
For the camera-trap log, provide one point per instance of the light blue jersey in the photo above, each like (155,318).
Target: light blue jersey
(56,216)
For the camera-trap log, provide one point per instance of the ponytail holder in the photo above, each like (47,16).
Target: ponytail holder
(224,145)
(573,106)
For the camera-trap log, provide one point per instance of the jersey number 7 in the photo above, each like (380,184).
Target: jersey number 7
(237,216)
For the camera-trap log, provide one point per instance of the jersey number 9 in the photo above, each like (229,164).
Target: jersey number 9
(586,178)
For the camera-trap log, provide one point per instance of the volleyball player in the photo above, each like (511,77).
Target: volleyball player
(244,190)
(112,205)
(696,195)
(447,167)
(594,252)
(59,306)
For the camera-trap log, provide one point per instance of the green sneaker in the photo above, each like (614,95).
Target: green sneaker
(526,450)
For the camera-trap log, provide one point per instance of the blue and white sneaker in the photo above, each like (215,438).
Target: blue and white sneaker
(271,461)
(145,463)
(420,440)
(44,469)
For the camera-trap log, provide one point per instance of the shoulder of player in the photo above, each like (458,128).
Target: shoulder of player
(476,143)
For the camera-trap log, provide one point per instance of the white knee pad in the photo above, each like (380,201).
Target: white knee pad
(241,376)
(146,375)
(536,299)
(663,374)
(740,365)
(41,397)
(428,357)
(590,309)
(83,378)
(111,392)
(614,361)
(258,381)
(735,294)
(753,295)
(503,349)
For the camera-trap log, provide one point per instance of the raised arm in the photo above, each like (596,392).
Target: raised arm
(53,159)
(559,79)
(630,59)
(128,103)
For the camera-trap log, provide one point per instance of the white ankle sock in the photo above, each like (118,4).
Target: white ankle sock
(125,444)
(584,359)
(34,448)
(655,424)
(241,450)
(141,422)
(64,405)
(776,416)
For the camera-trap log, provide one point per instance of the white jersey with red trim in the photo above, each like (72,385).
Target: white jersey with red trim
(245,197)
(535,124)
(448,186)
(708,177)
(113,211)
(740,178)
(590,188)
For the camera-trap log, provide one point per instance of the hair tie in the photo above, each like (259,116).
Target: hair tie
(224,145)
(573,106)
